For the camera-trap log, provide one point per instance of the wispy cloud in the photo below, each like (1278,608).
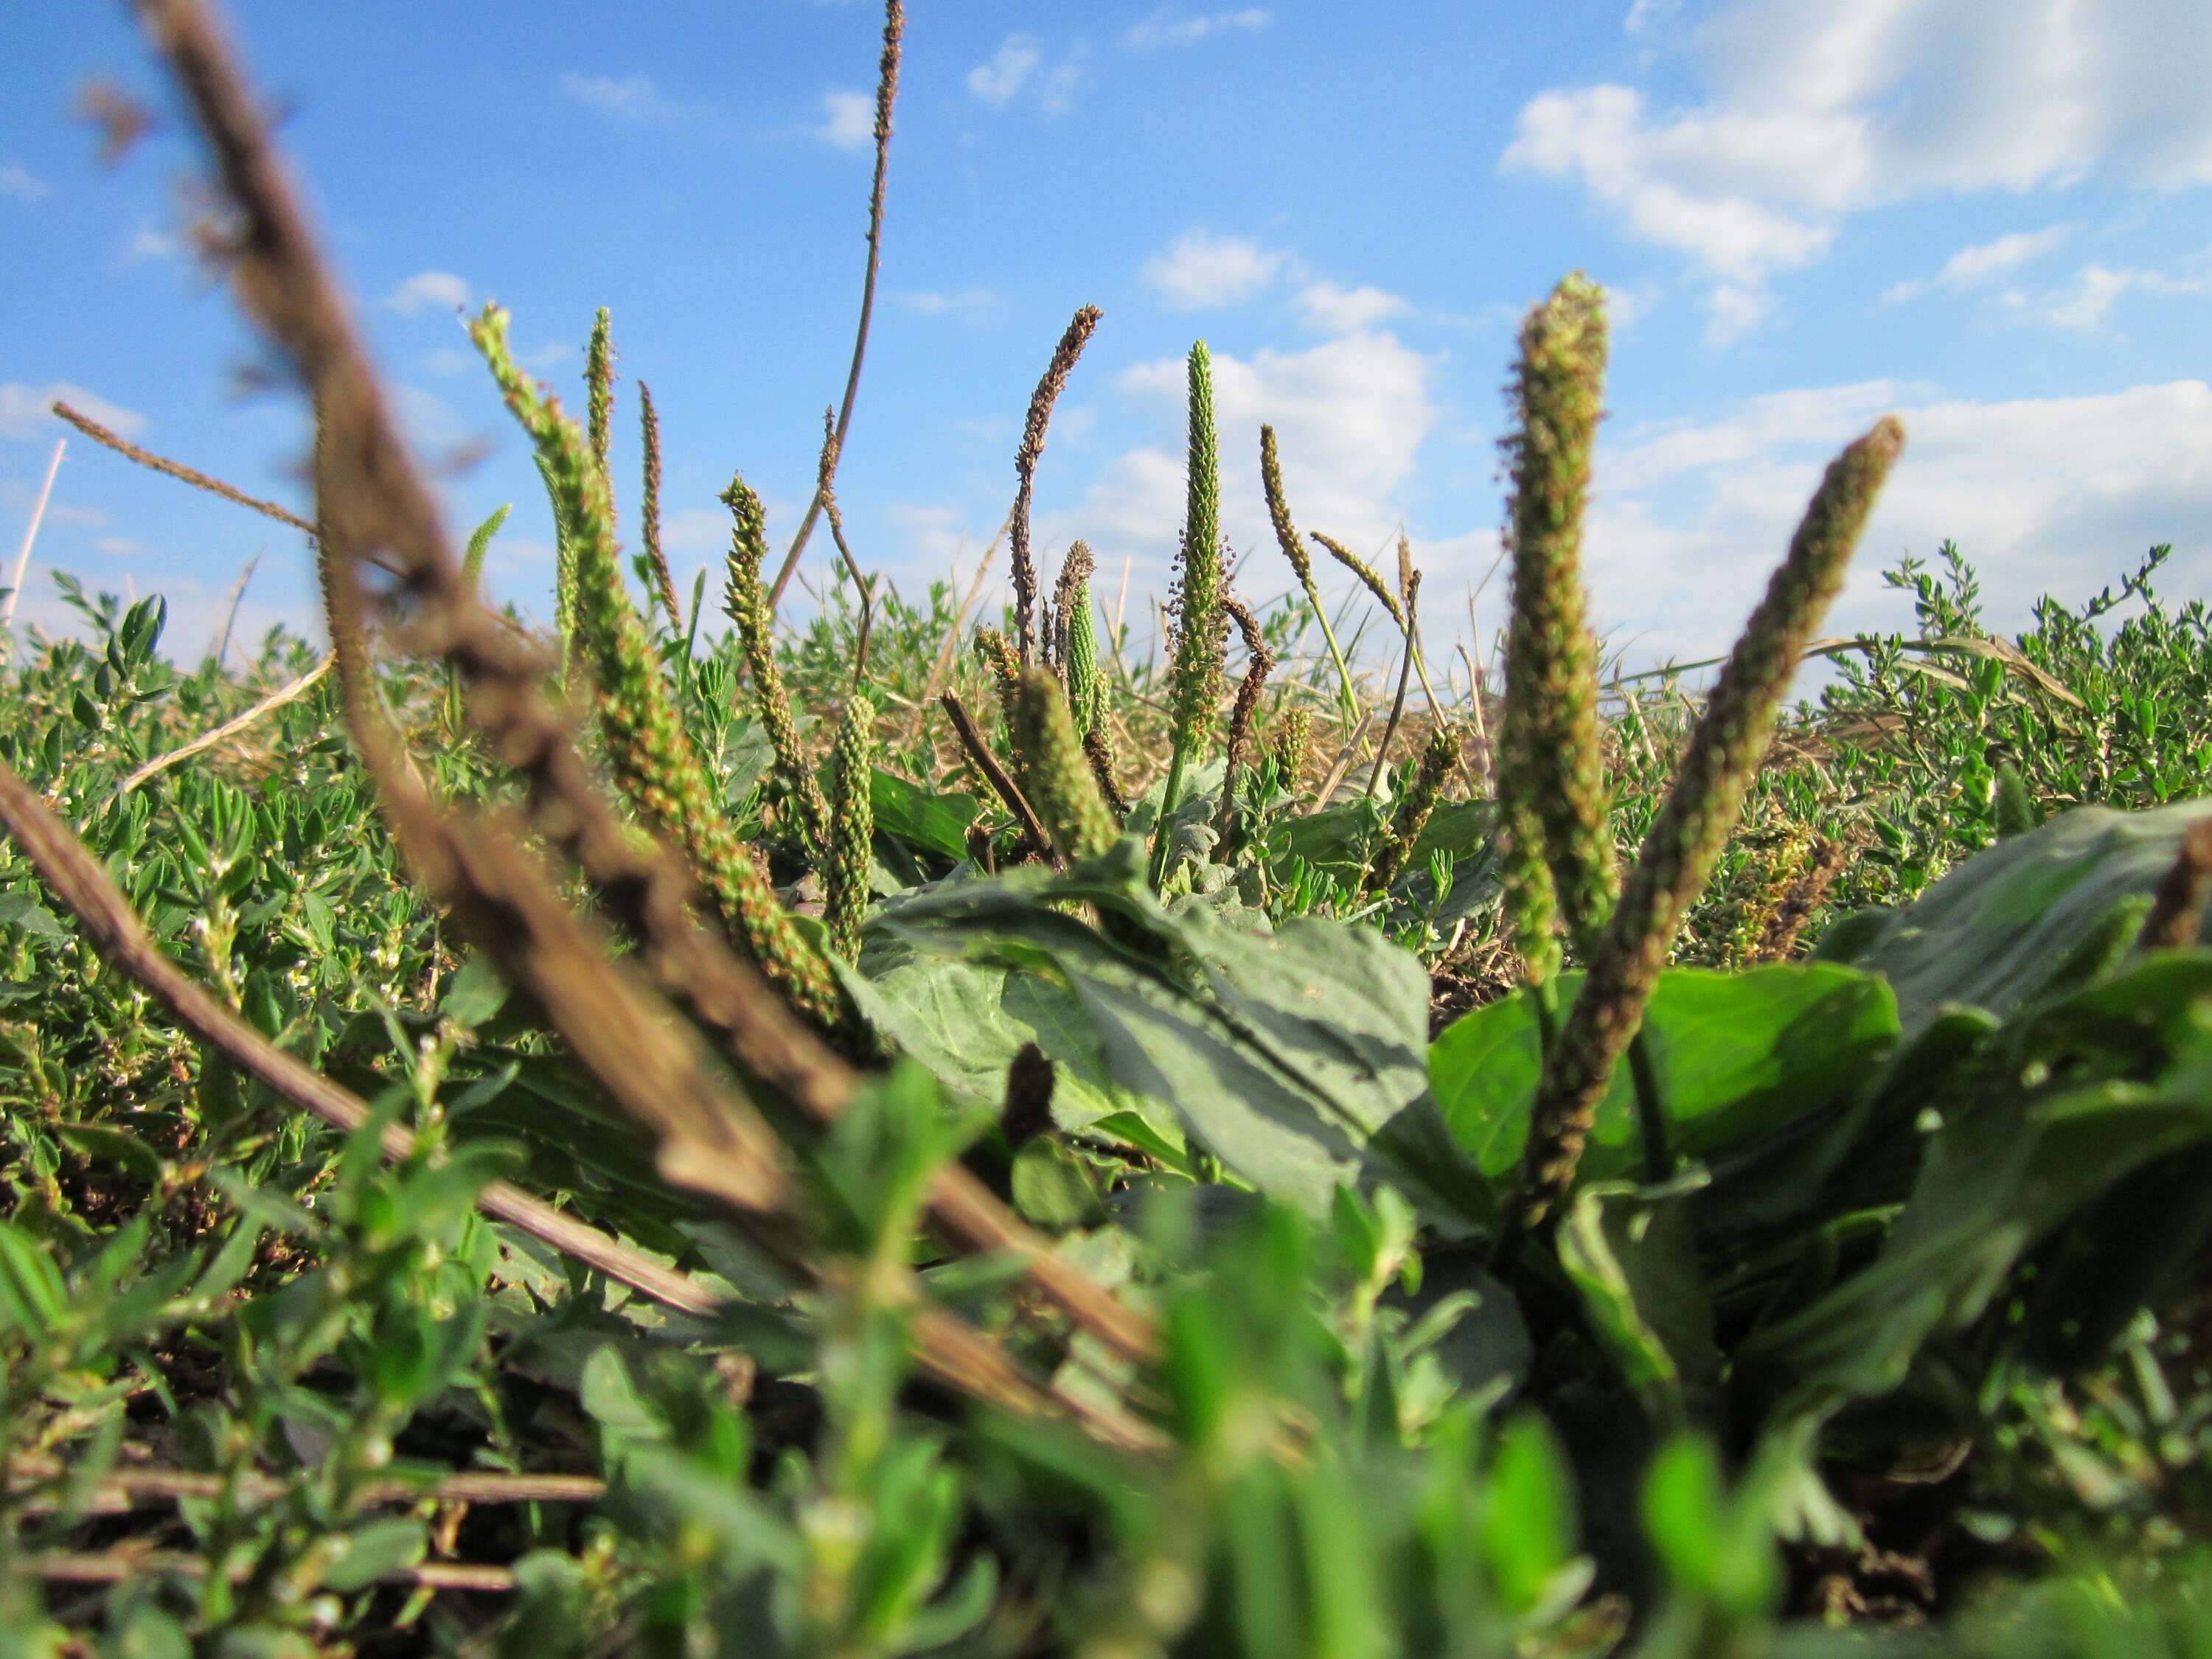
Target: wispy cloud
(27,411)
(427,288)
(1984,262)
(19,181)
(1019,64)
(1008,70)
(849,120)
(1169,27)
(1815,112)
(1334,310)
(625,97)
(970,304)
(2084,306)
(1201,271)
(150,243)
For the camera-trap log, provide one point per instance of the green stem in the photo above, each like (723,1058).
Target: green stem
(1650,1111)
(1169,796)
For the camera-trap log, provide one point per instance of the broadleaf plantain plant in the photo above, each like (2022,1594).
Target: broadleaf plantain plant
(1077,1237)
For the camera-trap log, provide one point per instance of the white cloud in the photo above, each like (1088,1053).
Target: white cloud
(696,530)
(849,120)
(119,547)
(26,412)
(1816,110)
(971,304)
(2044,494)
(626,97)
(2084,306)
(1057,92)
(1199,271)
(1350,416)
(1170,27)
(1647,14)
(1334,310)
(1984,262)
(1625,308)
(425,288)
(150,242)
(1733,310)
(19,181)
(1009,68)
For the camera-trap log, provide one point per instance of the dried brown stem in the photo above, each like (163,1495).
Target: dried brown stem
(178,470)
(886,96)
(1001,782)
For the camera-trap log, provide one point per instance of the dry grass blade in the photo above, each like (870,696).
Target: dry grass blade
(886,96)
(31,535)
(230,728)
(85,889)
(119,1565)
(1405,674)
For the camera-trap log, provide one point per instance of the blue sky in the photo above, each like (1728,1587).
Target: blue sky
(1991,216)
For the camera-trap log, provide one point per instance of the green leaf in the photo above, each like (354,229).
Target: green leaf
(920,816)
(1996,1179)
(375,1548)
(23,910)
(1987,933)
(473,995)
(1736,1055)
(1296,1057)
(1053,1188)
(116,1146)
(32,1294)
(1632,1254)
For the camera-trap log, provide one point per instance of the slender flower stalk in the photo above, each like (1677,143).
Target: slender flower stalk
(599,383)
(852,826)
(1438,755)
(1695,821)
(744,601)
(1195,677)
(656,562)
(1055,776)
(1260,662)
(1286,537)
(1369,577)
(649,752)
(1551,759)
(1072,342)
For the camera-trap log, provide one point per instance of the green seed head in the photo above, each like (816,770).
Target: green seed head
(1196,677)
(650,754)
(1055,774)
(744,600)
(1550,754)
(853,826)
(1293,742)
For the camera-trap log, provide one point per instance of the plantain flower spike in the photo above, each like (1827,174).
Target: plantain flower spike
(1696,819)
